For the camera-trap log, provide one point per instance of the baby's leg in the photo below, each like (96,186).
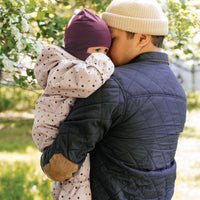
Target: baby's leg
(56,189)
(78,186)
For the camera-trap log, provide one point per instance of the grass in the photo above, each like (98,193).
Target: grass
(21,177)
(21,180)
(188,160)
(15,134)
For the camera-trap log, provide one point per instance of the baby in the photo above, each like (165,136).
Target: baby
(75,71)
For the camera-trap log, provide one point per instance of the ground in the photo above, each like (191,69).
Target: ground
(16,146)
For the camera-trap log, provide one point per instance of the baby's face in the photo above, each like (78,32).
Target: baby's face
(98,50)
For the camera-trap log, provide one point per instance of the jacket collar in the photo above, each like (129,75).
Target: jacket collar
(152,57)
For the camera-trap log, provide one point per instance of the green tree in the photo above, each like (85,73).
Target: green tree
(183,40)
(28,25)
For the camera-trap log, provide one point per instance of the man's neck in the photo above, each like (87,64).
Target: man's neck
(150,48)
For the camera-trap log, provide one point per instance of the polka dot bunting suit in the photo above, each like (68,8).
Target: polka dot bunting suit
(65,78)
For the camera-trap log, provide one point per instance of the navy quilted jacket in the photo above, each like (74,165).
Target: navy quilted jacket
(131,127)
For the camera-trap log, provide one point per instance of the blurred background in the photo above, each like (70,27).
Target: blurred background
(26,27)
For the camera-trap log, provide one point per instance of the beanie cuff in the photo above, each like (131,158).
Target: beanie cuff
(136,25)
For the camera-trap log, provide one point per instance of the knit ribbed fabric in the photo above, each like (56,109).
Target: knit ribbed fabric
(136,16)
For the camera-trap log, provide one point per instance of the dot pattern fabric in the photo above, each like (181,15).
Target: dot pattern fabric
(65,78)
(77,187)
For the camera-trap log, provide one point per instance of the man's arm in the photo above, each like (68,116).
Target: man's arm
(86,125)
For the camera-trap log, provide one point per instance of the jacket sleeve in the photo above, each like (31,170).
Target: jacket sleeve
(86,125)
(81,78)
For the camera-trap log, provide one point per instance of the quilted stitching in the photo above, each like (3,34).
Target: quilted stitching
(154,116)
(139,113)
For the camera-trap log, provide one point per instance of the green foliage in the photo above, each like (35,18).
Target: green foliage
(15,40)
(17,175)
(183,27)
(25,27)
(16,134)
(28,25)
(17,99)
(21,177)
(190,132)
(193,101)
(21,181)
(51,26)
(97,6)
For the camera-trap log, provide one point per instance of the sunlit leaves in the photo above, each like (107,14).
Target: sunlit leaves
(16,40)
(27,25)
(183,26)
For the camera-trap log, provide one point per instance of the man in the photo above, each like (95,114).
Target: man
(131,124)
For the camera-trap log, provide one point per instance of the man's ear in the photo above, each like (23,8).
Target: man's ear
(144,39)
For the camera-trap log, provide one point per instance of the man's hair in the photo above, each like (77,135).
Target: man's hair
(130,35)
(157,40)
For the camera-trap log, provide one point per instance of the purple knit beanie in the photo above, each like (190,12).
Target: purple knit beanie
(86,30)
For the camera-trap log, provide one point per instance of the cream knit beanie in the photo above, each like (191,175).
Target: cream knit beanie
(136,16)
